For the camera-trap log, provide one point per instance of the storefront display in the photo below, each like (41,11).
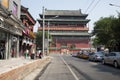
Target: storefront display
(2,44)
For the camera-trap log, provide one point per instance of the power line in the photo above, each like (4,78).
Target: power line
(94,6)
(89,6)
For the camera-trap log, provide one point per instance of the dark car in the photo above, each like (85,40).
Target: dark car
(112,58)
(96,56)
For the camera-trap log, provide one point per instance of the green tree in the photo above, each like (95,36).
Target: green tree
(102,30)
(107,32)
(39,38)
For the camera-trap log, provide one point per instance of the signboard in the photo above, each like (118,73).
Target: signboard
(14,9)
(5,3)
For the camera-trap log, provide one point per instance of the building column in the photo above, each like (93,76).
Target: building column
(6,47)
(9,43)
(18,46)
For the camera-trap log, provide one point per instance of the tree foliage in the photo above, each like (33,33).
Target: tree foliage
(107,31)
(39,38)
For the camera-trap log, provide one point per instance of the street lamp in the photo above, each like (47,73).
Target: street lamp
(114,5)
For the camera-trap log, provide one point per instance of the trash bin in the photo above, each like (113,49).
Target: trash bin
(32,56)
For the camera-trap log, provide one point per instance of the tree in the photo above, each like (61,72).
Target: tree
(102,30)
(107,32)
(39,38)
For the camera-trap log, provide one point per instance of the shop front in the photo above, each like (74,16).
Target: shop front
(2,44)
(9,39)
(27,42)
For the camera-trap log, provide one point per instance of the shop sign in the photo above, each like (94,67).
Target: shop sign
(11,29)
(5,3)
(31,34)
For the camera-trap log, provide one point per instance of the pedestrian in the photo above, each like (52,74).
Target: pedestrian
(40,54)
(1,52)
(26,53)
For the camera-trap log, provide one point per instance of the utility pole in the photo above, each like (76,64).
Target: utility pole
(48,35)
(43,40)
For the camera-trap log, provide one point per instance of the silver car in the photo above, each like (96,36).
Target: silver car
(112,58)
(96,56)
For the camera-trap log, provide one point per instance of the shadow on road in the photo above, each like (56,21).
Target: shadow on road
(41,72)
(107,68)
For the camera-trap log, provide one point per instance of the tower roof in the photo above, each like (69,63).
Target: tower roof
(64,12)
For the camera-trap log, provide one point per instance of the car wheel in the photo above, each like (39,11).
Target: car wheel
(103,61)
(115,64)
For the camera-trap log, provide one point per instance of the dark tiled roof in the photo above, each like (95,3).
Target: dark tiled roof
(77,34)
(64,12)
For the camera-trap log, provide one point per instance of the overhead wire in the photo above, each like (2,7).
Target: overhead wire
(89,6)
(94,6)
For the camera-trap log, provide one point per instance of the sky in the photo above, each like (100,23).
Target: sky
(94,8)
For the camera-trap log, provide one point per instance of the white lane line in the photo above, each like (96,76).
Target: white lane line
(76,78)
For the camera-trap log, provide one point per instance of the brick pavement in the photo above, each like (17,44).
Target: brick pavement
(17,68)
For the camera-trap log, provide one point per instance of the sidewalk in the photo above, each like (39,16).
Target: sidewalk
(18,67)
(6,65)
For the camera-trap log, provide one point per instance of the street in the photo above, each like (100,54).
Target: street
(66,67)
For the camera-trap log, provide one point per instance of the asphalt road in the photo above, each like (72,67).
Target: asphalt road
(66,67)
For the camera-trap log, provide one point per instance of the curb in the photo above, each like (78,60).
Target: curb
(21,71)
(38,71)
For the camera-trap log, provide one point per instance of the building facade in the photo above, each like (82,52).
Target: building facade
(10,28)
(69,30)
(28,36)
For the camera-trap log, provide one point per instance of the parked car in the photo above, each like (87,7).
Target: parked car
(112,58)
(79,54)
(75,54)
(85,55)
(96,56)
(91,56)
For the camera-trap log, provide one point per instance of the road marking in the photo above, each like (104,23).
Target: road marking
(76,78)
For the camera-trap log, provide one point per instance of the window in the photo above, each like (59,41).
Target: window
(112,54)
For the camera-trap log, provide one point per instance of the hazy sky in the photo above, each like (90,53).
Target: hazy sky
(94,8)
